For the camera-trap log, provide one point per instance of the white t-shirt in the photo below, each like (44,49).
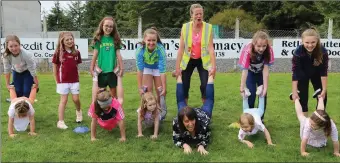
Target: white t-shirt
(20,124)
(257,126)
(316,138)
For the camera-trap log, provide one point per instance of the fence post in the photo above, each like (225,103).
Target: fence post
(330,28)
(44,35)
(140,27)
(329,36)
(237,36)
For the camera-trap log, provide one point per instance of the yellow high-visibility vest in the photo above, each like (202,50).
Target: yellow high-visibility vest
(187,36)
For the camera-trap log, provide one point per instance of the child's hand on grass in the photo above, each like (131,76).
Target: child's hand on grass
(32,134)
(12,135)
(153,137)
(122,139)
(304,154)
(140,135)
(337,154)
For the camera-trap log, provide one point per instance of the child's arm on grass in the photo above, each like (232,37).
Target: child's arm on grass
(241,137)
(269,140)
(32,126)
(122,131)
(93,129)
(156,125)
(10,127)
(303,147)
(139,125)
(336,148)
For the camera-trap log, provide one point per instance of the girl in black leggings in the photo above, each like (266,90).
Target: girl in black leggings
(310,62)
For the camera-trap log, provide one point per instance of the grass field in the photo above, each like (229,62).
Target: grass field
(53,144)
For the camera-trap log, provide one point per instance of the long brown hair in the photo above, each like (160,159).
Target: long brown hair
(317,53)
(61,47)
(266,54)
(114,34)
(21,108)
(147,97)
(8,39)
(102,95)
(327,128)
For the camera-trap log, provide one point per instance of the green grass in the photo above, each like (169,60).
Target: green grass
(53,144)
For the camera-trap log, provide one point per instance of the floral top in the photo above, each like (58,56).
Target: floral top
(201,137)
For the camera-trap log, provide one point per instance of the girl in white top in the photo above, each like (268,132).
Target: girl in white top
(250,119)
(21,112)
(315,129)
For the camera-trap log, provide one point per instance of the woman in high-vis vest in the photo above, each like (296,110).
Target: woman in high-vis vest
(196,50)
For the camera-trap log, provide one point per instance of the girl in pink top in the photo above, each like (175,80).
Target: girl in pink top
(108,111)
(315,129)
(255,59)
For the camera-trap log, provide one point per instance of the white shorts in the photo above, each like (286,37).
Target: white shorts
(65,88)
(153,72)
(95,77)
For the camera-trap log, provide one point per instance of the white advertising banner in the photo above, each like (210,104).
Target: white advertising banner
(45,47)
(224,48)
(284,48)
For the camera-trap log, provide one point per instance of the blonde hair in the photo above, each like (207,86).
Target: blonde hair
(247,118)
(317,52)
(8,39)
(194,6)
(61,47)
(266,54)
(146,98)
(21,108)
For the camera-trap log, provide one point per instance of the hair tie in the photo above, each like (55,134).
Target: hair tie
(317,114)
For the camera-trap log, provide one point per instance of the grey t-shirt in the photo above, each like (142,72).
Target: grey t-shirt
(24,61)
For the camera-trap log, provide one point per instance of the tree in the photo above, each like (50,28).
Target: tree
(282,14)
(57,20)
(75,13)
(331,10)
(228,17)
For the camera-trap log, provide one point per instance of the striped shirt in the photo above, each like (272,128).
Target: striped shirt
(246,63)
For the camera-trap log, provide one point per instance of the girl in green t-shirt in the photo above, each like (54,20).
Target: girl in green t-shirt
(106,48)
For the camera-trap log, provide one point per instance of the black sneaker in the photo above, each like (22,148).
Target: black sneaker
(317,93)
(291,95)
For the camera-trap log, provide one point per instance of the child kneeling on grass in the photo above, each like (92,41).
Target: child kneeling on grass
(21,112)
(108,111)
(250,119)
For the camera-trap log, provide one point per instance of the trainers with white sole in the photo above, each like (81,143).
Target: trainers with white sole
(61,125)
(79,115)
(259,90)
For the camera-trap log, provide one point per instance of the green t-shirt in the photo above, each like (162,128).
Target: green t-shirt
(106,54)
